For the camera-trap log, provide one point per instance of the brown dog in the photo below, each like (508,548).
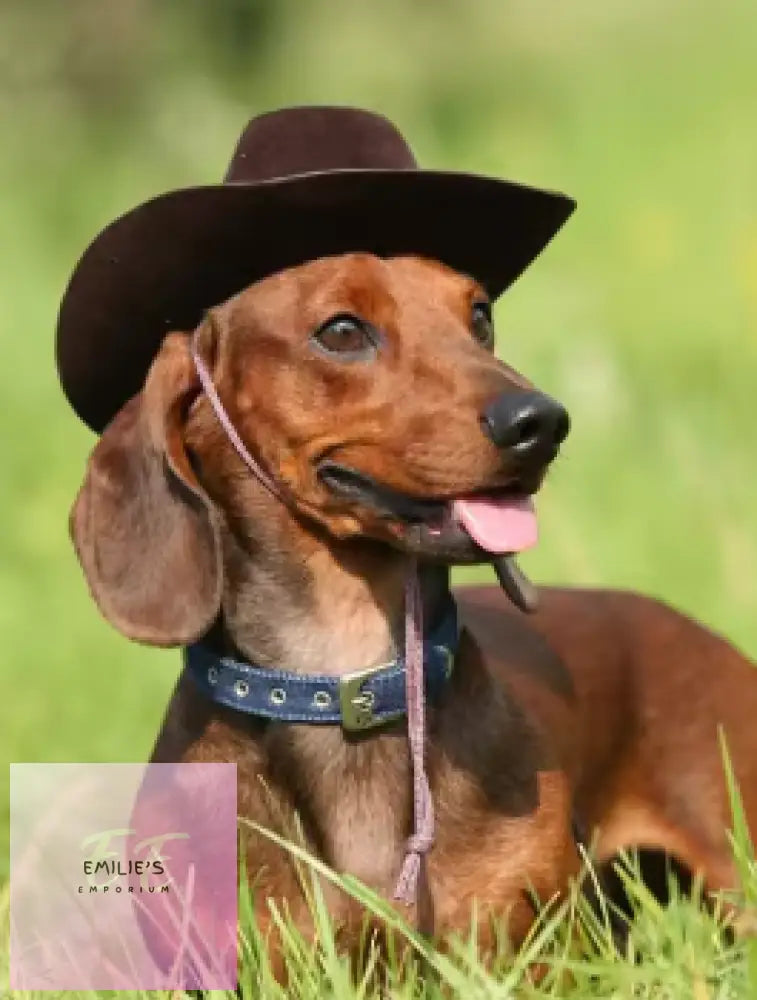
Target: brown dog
(364,384)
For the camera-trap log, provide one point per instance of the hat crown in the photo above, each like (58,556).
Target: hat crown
(312,139)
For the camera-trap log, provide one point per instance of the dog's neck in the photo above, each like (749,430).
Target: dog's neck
(327,607)
(339,609)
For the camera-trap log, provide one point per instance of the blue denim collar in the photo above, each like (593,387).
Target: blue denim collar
(356,701)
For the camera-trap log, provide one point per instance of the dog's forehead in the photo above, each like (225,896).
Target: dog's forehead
(402,275)
(398,293)
(361,281)
(364,281)
(427,283)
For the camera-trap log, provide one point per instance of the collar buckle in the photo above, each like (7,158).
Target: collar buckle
(356,704)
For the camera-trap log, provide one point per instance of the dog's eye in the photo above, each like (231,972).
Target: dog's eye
(481,323)
(346,336)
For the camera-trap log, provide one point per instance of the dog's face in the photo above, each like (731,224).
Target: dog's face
(366,387)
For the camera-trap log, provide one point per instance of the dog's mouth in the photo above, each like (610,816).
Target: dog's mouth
(496,522)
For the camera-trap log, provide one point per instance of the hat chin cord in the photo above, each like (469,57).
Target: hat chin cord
(419,844)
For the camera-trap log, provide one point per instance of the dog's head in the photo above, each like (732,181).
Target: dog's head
(368,390)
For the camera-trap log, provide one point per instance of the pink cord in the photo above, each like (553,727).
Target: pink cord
(422,838)
(210,391)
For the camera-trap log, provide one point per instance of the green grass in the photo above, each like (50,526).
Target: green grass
(642,317)
(682,951)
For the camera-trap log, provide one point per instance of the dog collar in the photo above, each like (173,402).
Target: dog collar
(359,700)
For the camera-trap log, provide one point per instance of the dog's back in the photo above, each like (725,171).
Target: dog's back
(631,694)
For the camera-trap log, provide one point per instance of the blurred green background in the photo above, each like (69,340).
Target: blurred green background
(641,317)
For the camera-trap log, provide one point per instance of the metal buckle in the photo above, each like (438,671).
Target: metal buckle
(356,704)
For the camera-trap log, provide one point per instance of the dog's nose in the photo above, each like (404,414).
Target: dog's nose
(526,424)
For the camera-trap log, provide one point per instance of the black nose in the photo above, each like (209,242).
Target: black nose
(527,424)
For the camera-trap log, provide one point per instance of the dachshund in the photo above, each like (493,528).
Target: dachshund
(368,389)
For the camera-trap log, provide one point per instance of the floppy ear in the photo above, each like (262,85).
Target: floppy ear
(144,530)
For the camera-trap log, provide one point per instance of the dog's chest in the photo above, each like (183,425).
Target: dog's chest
(356,797)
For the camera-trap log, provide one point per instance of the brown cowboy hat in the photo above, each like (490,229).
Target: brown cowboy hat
(303,183)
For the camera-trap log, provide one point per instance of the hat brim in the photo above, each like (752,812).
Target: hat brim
(162,265)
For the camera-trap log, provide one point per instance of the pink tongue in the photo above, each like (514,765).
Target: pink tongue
(498,524)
